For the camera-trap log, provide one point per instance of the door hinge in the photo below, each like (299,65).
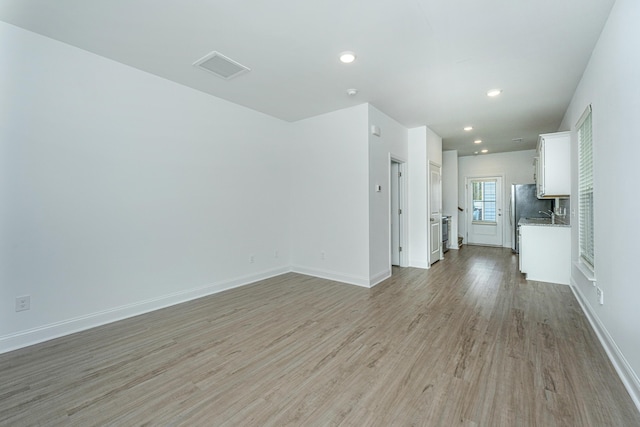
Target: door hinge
(400,249)
(399,174)
(399,211)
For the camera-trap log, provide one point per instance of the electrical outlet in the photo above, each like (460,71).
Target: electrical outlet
(23,303)
(252,259)
(600,295)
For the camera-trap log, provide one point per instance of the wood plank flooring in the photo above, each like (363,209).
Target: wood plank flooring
(468,342)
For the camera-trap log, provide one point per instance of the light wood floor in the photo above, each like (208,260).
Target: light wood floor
(468,342)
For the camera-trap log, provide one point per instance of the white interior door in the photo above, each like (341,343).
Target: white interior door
(435,209)
(484,211)
(395,213)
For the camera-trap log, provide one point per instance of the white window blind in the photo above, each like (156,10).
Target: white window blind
(585,188)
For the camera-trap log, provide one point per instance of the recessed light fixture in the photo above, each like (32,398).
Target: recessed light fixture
(484,151)
(475,152)
(347,57)
(468,128)
(352,92)
(494,92)
(477,141)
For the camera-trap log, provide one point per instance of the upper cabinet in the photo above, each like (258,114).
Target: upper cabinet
(553,165)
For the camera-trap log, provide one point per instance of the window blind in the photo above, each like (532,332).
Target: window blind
(585,188)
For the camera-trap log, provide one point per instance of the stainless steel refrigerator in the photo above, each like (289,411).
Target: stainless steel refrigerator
(524,204)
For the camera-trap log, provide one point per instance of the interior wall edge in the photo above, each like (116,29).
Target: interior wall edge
(380,277)
(628,377)
(419,263)
(330,275)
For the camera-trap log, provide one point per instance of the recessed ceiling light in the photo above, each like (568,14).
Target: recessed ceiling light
(468,128)
(352,92)
(484,151)
(494,92)
(475,152)
(477,141)
(347,57)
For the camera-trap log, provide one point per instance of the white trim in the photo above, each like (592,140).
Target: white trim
(66,327)
(583,117)
(330,275)
(379,278)
(419,263)
(586,271)
(628,377)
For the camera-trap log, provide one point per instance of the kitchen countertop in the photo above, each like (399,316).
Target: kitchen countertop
(546,222)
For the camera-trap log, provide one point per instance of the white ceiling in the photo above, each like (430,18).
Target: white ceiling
(423,62)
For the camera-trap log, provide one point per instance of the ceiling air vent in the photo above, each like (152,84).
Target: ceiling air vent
(221,66)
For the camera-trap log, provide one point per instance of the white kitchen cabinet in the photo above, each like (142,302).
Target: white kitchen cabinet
(553,165)
(545,253)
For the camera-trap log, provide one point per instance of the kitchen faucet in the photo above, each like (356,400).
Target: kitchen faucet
(550,214)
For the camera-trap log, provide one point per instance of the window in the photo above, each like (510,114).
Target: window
(585,188)
(484,201)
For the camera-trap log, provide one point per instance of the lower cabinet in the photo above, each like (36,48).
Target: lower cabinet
(545,253)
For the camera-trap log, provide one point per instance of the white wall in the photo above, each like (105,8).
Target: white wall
(611,84)
(450,193)
(418,214)
(122,192)
(424,146)
(392,143)
(516,167)
(330,206)
(434,147)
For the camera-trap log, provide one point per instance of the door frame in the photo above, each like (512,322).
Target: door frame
(469,212)
(403,203)
(430,210)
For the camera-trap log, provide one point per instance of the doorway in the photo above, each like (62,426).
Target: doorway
(484,211)
(435,213)
(396,194)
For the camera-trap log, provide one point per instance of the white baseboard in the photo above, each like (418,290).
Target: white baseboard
(66,327)
(379,278)
(330,275)
(419,263)
(626,373)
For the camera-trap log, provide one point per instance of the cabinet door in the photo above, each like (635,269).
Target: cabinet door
(554,165)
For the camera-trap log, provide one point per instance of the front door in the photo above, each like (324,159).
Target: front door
(484,211)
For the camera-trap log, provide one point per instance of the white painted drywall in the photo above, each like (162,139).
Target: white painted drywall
(330,206)
(424,146)
(450,193)
(611,84)
(392,142)
(515,166)
(122,192)
(418,214)
(434,147)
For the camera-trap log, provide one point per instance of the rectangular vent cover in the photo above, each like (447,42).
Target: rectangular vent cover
(223,67)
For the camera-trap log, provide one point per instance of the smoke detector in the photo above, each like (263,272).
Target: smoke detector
(352,92)
(221,66)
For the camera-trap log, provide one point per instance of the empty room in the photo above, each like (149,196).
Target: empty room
(363,213)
